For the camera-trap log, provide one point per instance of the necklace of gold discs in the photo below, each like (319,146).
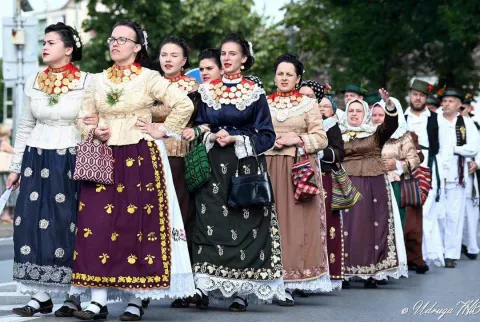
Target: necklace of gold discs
(118,74)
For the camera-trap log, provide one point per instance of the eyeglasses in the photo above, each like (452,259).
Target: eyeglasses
(325,106)
(119,40)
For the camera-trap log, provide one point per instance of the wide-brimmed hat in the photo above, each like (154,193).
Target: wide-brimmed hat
(421,86)
(354,88)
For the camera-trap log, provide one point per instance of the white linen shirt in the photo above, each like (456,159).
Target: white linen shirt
(44,126)
(418,125)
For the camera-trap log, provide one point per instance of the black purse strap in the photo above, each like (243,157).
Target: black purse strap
(254,154)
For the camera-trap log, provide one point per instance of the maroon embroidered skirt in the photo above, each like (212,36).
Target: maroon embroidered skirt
(334,233)
(123,231)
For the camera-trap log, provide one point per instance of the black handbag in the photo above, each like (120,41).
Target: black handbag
(252,189)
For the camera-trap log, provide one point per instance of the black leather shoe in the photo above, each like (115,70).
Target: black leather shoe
(301,293)
(422,269)
(382,282)
(471,256)
(127,316)
(201,302)
(27,310)
(87,315)
(145,303)
(180,303)
(66,311)
(346,285)
(450,263)
(237,307)
(370,283)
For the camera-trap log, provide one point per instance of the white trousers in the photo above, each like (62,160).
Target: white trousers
(451,221)
(470,226)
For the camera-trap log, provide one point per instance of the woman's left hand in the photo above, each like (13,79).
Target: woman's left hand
(390,164)
(385,96)
(289,140)
(144,126)
(90,119)
(226,140)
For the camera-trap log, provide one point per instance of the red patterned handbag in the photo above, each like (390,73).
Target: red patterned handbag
(303,178)
(424,178)
(94,162)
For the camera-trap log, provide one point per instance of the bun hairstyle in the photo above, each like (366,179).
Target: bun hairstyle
(141,38)
(292,59)
(244,45)
(70,38)
(180,42)
(211,53)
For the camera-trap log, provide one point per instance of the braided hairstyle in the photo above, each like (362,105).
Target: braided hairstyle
(70,38)
(142,56)
(244,45)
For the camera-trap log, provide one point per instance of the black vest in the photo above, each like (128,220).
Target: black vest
(461,133)
(433,140)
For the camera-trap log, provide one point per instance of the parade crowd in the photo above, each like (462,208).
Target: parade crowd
(140,185)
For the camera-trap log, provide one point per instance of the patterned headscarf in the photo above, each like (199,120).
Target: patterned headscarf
(366,129)
(333,101)
(317,88)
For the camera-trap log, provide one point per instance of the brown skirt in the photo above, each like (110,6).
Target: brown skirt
(302,225)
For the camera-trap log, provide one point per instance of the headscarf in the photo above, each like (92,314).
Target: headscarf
(364,130)
(328,123)
(333,101)
(317,88)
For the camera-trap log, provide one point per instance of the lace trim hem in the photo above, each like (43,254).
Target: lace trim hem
(181,285)
(254,291)
(321,284)
(282,114)
(400,271)
(206,140)
(438,262)
(32,288)
(242,105)
(55,275)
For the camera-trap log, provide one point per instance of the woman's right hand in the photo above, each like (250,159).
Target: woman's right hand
(102,133)
(188,134)
(13,180)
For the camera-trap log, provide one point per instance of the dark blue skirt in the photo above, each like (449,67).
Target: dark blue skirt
(45,219)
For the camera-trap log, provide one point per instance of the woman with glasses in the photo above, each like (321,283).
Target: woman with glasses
(329,158)
(44,161)
(130,241)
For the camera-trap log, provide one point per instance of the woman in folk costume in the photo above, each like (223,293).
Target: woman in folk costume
(369,228)
(329,159)
(236,251)
(44,158)
(173,61)
(401,156)
(299,129)
(210,65)
(130,243)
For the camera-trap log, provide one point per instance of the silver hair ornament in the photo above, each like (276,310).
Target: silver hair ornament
(250,47)
(145,36)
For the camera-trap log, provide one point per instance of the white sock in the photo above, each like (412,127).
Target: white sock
(288,296)
(100,296)
(41,296)
(200,292)
(71,301)
(133,309)
(239,301)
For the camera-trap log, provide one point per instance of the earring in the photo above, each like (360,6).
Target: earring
(242,68)
(183,69)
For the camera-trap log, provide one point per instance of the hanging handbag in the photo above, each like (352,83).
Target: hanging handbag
(424,178)
(344,193)
(303,178)
(94,162)
(250,189)
(410,190)
(197,166)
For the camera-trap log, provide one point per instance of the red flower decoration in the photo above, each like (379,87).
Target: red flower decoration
(430,88)
(440,91)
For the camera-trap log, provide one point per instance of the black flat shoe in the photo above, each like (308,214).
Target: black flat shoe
(201,302)
(346,285)
(450,263)
(87,315)
(287,302)
(237,307)
(27,310)
(301,293)
(127,316)
(382,282)
(180,303)
(370,283)
(66,311)
(422,269)
(471,256)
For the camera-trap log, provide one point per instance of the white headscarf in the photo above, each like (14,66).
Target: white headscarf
(365,129)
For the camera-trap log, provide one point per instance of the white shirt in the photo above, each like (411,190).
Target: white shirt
(48,127)
(449,151)
(418,125)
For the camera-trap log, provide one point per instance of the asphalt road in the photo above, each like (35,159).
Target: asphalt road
(446,287)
